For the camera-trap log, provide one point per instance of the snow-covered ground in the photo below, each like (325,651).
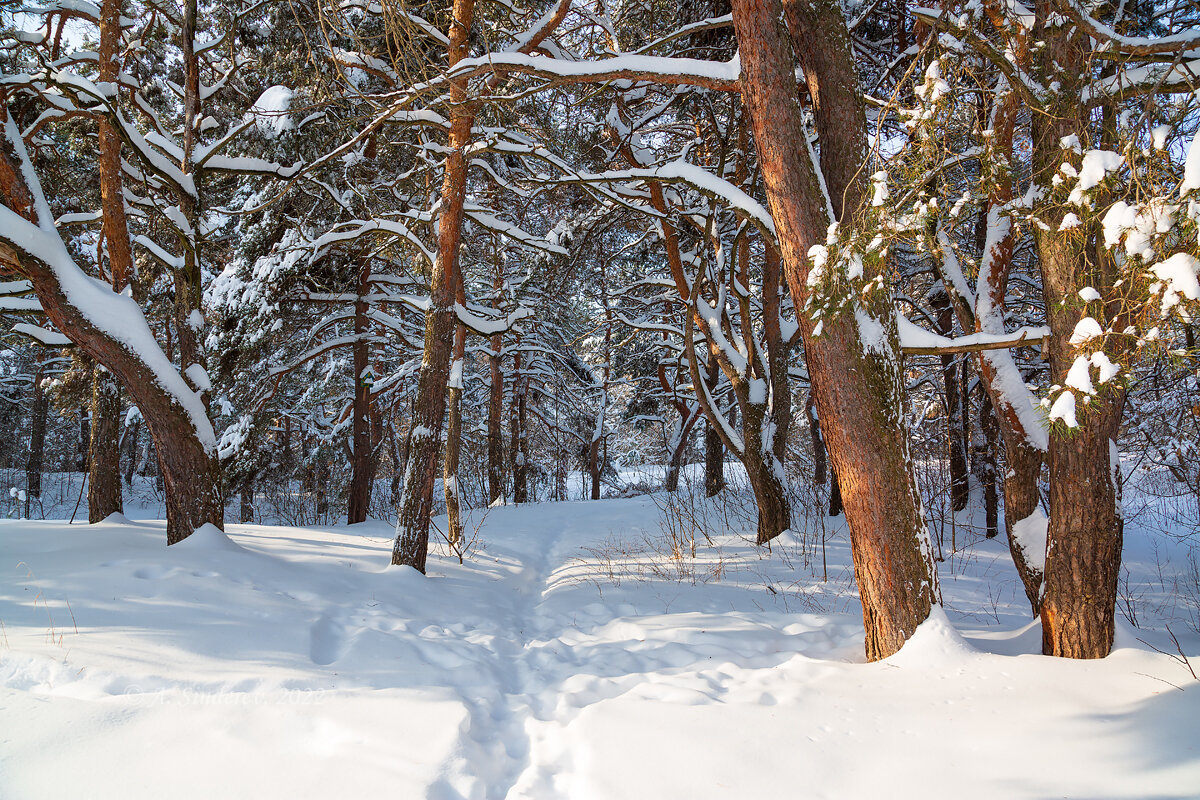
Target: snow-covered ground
(570,656)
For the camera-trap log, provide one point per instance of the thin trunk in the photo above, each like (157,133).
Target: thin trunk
(985,465)
(83,453)
(818,444)
(363,457)
(678,446)
(134,435)
(38,412)
(518,457)
(246,505)
(495,426)
(960,487)
(714,448)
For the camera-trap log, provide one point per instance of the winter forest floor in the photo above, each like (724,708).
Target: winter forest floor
(572,656)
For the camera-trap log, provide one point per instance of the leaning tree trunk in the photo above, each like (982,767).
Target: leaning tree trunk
(183,436)
(677,446)
(104,468)
(867,439)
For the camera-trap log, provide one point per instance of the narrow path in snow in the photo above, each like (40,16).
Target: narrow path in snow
(496,743)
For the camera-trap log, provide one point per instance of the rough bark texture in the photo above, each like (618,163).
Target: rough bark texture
(1083,555)
(246,501)
(189,472)
(859,391)
(104,469)
(412,530)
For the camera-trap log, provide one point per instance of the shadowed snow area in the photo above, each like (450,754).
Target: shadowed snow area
(569,657)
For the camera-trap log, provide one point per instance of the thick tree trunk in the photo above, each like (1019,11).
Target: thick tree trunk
(412,530)
(182,435)
(104,474)
(1085,532)
(1083,559)
(1083,551)
(867,438)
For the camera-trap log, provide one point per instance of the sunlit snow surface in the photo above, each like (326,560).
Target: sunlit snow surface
(567,658)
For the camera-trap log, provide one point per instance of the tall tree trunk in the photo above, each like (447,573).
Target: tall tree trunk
(104,474)
(412,530)
(1085,531)
(867,439)
(133,434)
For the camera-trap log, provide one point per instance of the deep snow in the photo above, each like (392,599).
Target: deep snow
(568,657)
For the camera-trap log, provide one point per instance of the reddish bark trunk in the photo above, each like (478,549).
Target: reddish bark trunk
(867,438)
(412,530)
(189,469)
